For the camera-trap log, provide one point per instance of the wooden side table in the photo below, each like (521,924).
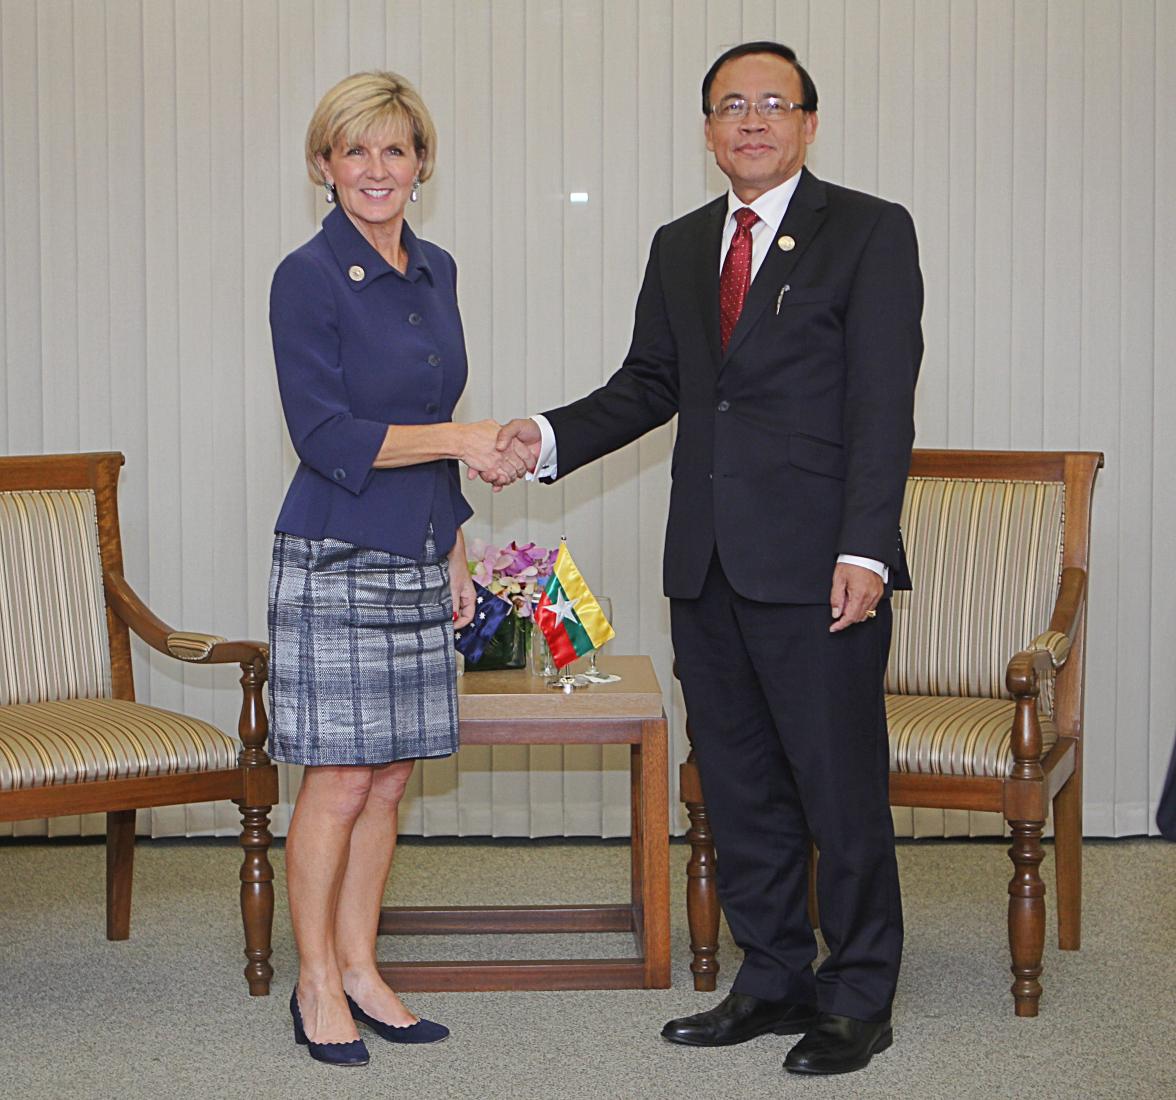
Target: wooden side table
(515,708)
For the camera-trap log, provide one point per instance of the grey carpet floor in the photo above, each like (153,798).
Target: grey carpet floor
(166,1014)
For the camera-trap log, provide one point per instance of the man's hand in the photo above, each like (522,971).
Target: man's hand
(856,592)
(521,434)
(497,466)
(518,443)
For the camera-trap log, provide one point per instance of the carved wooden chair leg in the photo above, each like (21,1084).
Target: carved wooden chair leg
(257,898)
(1026,914)
(261,792)
(702,899)
(120,866)
(1068,862)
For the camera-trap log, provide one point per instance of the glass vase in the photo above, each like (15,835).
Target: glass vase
(542,662)
(507,649)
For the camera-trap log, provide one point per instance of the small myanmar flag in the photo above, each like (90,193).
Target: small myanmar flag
(568,614)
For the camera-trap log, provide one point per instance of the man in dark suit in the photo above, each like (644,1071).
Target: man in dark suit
(781,324)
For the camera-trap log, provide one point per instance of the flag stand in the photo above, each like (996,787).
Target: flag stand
(573,630)
(567,683)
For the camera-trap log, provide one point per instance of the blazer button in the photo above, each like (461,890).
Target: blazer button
(431,407)
(340,474)
(434,360)
(414,318)
(724,406)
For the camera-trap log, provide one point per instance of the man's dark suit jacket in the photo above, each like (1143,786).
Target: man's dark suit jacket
(794,446)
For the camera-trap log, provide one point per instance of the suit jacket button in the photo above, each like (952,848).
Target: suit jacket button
(431,407)
(340,474)
(434,360)
(414,318)
(724,406)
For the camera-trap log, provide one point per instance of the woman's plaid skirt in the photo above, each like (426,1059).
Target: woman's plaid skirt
(362,666)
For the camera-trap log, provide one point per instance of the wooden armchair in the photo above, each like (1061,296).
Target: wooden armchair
(72,738)
(984,687)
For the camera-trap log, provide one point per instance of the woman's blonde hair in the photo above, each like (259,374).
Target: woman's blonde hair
(367,104)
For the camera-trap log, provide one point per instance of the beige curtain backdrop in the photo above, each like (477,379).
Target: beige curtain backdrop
(151,177)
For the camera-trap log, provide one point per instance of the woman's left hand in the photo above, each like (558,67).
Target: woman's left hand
(464,599)
(461,584)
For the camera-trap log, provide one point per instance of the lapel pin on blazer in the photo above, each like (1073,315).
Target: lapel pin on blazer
(786,243)
(780,297)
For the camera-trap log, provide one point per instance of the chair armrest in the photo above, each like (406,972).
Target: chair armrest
(188,645)
(1037,664)
(1049,650)
(1023,679)
(1056,644)
(1071,599)
(206,649)
(1025,670)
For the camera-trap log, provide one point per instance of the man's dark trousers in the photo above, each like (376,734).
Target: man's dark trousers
(789,730)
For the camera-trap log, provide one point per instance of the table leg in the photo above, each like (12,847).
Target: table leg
(636,846)
(652,849)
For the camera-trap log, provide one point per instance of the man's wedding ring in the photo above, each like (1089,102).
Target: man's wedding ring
(871,613)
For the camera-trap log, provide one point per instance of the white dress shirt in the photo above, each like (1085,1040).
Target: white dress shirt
(771,207)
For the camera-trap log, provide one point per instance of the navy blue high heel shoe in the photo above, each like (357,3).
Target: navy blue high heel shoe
(354,1053)
(423,1031)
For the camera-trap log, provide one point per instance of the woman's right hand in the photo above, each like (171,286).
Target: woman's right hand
(479,452)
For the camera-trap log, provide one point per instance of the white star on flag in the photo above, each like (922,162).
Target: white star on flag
(563,609)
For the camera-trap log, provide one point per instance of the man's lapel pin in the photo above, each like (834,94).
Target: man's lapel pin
(786,243)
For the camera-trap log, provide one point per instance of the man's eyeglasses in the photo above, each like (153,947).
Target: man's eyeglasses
(771,108)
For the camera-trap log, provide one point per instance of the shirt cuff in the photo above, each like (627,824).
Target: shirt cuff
(547,465)
(866,563)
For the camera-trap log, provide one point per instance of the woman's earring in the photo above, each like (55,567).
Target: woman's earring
(416,189)
(330,190)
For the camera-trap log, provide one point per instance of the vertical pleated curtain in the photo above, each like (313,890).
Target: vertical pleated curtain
(151,177)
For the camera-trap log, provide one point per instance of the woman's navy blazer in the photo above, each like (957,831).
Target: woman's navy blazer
(358,346)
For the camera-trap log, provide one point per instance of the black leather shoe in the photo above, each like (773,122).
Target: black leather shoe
(354,1053)
(839,1044)
(738,1018)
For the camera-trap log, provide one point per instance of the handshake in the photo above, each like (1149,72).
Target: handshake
(500,453)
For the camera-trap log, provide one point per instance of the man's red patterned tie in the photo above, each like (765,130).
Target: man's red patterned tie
(736,274)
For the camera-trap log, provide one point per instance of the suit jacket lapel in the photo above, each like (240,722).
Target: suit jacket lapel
(706,268)
(802,220)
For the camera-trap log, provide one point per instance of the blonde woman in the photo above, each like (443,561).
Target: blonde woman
(369,574)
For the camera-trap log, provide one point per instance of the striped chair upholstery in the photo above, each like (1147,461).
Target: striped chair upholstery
(53,635)
(77,740)
(985,580)
(58,723)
